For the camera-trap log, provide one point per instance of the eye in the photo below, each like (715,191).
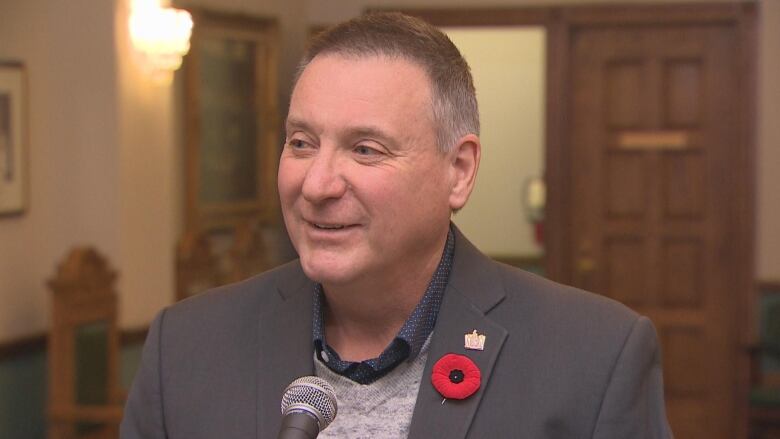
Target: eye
(297,144)
(366,150)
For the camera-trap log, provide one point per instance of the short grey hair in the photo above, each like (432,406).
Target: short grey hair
(393,34)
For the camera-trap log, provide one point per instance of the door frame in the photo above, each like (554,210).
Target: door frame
(561,23)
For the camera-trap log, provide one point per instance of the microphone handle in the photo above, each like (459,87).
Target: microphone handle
(298,426)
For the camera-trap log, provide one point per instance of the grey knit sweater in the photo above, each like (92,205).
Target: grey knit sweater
(380,410)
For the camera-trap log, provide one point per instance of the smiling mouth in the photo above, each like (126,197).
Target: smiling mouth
(329,226)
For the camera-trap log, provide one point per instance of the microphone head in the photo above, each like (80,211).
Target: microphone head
(311,395)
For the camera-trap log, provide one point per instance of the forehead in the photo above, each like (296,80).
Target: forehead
(381,67)
(370,90)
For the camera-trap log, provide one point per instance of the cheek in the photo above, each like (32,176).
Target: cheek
(431,197)
(406,198)
(289,181)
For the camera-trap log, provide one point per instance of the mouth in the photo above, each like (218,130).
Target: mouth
(330,226)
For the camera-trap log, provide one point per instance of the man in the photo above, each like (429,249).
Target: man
(381,147)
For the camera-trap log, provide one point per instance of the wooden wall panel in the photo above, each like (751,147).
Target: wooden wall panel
(683,92)
(625,261)
(686,376)
(624,91)
(626,185)
(684,185)
(682,280)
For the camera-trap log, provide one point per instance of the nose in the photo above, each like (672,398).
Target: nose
(324,180)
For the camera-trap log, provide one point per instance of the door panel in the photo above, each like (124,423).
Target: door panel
(652,136)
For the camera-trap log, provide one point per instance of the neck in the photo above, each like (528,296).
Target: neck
(363,318)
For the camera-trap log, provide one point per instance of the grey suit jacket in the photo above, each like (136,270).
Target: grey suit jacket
(558,362)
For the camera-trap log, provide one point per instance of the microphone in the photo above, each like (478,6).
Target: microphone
(308,406)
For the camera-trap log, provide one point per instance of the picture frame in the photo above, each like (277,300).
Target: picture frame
(231,121)
(13,139)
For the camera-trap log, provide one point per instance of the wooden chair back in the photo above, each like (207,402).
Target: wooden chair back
(85,398)
(197,268)
(209,258)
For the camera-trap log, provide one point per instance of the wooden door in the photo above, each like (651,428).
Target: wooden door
(656,131)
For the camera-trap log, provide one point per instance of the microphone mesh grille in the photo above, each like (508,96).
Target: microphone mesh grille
(314,393)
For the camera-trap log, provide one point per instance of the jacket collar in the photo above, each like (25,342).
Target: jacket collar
(285,349)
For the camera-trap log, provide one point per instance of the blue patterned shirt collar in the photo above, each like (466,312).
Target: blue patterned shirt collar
(409,340)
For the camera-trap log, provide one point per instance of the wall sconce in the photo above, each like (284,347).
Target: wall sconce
(160,35)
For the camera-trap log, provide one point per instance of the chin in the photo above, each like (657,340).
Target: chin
(328,272)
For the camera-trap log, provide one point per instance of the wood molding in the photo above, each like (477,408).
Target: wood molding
(493,16)
(607,14)
(132,336)
(262,33)
(746,15)
(23,345)
(768,285)
(231,19)
(37,342)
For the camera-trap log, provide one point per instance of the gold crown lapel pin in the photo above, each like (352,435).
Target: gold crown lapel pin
(475,341)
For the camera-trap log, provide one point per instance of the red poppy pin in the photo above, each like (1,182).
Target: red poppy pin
(456,376)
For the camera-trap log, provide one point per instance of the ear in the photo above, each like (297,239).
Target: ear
(464,162)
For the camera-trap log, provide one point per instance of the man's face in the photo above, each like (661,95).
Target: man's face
(364,191)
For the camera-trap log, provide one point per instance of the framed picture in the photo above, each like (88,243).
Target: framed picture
(231,121)
(13,139)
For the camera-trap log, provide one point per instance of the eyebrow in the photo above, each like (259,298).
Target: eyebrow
(296,123)
(370,131)
(353,131)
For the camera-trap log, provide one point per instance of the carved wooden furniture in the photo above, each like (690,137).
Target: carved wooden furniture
(207,259)
(248,254)
(196,266)
(85,400)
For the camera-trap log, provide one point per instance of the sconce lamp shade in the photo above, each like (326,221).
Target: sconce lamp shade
(160,35)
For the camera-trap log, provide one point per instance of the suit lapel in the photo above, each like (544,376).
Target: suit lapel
(472,291)
(285,349)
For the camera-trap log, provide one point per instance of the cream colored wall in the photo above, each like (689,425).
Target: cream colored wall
(508,65)
(148,190)
(102,162)
(104,153)
(73,157)
(768,100)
